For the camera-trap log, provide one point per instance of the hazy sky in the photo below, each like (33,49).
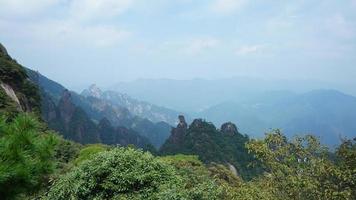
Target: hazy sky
(77,42)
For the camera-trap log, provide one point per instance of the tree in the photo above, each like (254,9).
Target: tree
(26,155)
(300,169)
(346,155)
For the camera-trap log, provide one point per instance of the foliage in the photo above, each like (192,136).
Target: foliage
(300,169)
(211,145)
(122,173)
(346,154)
(197,182)
(14,75)
(65,152)
(89,151)
(26,155)
(7,106)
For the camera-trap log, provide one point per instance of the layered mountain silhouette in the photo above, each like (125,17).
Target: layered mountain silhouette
(136,107)
(257,105)
(98,105)
(328,114)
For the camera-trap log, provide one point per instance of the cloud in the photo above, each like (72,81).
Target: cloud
(94,9)
(227,6)
(78,24)
(73,33)
(22,8)
(196,46)
(249,49)
(340,27)
(64,32)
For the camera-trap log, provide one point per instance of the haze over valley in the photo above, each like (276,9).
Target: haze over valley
(177,99)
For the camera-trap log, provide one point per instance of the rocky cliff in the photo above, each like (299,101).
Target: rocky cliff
(17,92)
(225,145)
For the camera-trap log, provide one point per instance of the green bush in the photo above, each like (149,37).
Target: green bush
(301,169)
(89,151)
(198,182)
(121,173)
(65,153)
(26,156)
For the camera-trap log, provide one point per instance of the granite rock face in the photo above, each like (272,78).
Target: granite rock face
(182,123)
(3,51)
(197,123)
(17,92)
(66,107)
(136,107)
(229,128)
(75,124)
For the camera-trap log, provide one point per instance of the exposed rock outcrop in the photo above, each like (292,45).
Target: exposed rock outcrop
(136,107)
(223,146)
(229,128)
(11,93)
(93,91)
(197,123)
(182,123)
(3,52)
(177,136)
(233,169)
(66,107)
(17,93)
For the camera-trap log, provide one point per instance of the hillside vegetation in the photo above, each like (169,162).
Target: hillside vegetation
(197,162)
(225,146)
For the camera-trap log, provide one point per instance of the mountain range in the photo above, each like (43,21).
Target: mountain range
(136,107)
(254,107)
(328,114)
(192,96)
(257,105)
(93,107)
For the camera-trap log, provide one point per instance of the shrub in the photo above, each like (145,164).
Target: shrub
(26,155)
(89,152)
(121,173)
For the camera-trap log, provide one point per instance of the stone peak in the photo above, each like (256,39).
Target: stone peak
(3,51)
(229,128)
(182,123)
(93,91)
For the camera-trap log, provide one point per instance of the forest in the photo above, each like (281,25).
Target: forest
(36,163)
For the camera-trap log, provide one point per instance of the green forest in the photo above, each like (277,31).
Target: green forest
(38,164)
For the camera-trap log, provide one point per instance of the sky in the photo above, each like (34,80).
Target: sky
(79,42)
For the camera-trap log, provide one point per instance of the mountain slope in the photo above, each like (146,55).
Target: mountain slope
(138,108)
(17,92)
(328,114)
(97,108)
(198,94)
(226,146)
(100,106)
(73,123)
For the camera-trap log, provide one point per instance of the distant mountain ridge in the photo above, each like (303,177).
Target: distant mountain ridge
(21,90)
(111,106)
(195,95)
(139,108)
(329,114)
(98,108)
(257,105)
